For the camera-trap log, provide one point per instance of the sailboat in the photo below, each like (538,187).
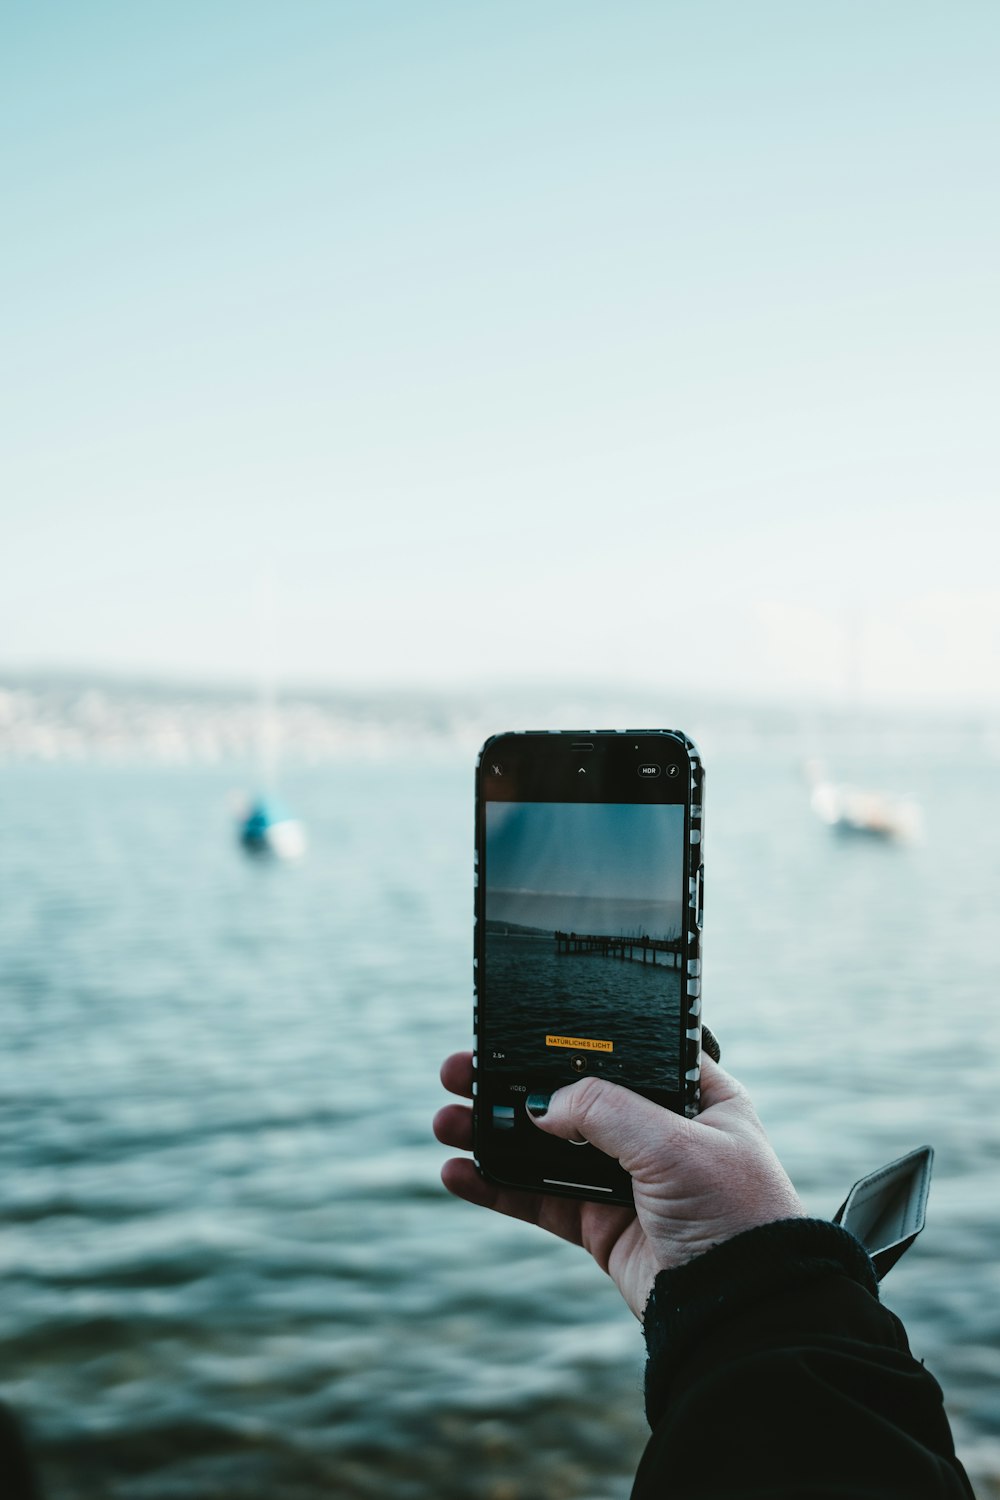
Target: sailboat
(264,825)
(855,810)
(267,827)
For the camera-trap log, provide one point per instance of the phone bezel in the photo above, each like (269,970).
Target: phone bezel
(536,768)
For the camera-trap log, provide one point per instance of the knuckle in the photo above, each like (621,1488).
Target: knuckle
(587,1096)
(741,1097)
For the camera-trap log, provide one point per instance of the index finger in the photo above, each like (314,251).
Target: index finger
(457,1073)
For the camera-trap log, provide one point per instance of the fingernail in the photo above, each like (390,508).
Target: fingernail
(537,1105)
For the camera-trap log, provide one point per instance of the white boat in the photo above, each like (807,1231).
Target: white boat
(853,810)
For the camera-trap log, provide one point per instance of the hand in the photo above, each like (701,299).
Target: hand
(695,1182)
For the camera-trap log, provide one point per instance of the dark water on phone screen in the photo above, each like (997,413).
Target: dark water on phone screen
(228,1266)
(535,989)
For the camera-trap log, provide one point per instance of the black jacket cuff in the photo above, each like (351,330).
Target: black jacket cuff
(690,1301)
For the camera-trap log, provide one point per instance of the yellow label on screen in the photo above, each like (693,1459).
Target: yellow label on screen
(579,1043)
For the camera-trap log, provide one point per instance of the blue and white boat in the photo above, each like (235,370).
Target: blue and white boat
(268,828)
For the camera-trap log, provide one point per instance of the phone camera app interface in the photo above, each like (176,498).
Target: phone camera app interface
(583,947)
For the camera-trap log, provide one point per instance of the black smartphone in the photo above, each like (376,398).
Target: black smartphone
(589,892)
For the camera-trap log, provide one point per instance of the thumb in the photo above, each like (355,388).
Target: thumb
(617,1121)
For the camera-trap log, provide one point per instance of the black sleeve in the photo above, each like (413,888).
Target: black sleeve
(18,1480)
(774,1372)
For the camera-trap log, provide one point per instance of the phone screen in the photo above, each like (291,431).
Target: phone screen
(583,941)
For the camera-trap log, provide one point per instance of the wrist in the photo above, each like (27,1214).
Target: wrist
(688,1302)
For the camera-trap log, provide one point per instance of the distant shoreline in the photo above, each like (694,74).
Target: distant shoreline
(63,716)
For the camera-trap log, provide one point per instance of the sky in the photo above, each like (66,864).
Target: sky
(448,344)
(586,867)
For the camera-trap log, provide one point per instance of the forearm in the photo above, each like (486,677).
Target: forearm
(774,1371)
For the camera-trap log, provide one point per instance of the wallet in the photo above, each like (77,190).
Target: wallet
(886,1210)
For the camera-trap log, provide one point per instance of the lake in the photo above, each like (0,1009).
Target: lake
(229,1267)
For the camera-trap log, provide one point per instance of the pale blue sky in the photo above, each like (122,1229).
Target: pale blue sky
(509,340)
(586,867)
(620,850)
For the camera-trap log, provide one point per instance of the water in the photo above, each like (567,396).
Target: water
(228,1267)
(535,989)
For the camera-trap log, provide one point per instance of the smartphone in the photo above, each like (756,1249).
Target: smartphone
(588,939)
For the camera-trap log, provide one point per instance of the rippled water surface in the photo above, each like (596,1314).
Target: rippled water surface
(580,994)
(228,1267)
